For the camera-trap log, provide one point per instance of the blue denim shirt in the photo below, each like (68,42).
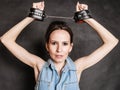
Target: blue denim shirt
(50,80)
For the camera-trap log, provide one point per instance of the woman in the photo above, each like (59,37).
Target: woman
(59,72)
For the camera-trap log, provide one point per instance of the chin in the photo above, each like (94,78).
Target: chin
(59,60)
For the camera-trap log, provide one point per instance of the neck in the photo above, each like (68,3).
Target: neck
(59,66)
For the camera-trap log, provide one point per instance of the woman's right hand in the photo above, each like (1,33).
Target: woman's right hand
(39,5)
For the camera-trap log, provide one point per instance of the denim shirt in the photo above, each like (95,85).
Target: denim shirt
(50,80)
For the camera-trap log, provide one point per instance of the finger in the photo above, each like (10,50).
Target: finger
(77,6)
(42,5)
(80,7)
(34,5)
(83,6)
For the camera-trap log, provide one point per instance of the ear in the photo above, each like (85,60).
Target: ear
(71,46)
(47,47)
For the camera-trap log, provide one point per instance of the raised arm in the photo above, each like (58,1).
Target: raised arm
(9,40)
(109,42)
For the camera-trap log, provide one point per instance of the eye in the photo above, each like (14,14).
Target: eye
(53,43)
(65,43)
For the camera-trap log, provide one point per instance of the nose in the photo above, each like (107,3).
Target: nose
(59,48)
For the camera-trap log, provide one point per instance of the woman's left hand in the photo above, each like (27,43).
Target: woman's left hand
(80,7)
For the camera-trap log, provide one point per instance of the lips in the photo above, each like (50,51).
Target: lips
(58,56)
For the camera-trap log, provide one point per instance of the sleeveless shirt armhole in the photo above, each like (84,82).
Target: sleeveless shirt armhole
(41,71)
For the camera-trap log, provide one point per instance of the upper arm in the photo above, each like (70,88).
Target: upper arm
(23,55)
(94,57)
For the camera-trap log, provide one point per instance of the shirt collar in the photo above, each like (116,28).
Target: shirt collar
(68,66)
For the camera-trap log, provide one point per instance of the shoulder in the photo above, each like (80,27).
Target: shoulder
(80,64)
(40,65)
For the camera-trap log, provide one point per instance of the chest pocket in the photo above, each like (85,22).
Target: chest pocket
(71,82)
(42,85)
(71,86)
(44,80)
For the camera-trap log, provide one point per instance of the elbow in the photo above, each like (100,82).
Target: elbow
(7,40)
(4,40)
(114,42)
(117,41)
(1,39)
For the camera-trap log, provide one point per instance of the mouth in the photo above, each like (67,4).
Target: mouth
(59,56)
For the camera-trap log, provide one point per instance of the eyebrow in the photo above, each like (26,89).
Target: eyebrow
(58,41)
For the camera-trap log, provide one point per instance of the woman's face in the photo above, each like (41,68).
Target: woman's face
(59,45)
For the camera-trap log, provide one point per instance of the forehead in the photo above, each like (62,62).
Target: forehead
(60,35)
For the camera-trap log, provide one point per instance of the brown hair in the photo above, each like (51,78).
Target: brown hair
(55,25)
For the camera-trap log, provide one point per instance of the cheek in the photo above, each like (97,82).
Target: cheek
(51,49)
(67,50)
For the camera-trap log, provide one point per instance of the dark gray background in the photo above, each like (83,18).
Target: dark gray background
(105,75)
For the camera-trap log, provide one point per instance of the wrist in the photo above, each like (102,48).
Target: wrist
(30,18)
(37,14)
(82,16)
